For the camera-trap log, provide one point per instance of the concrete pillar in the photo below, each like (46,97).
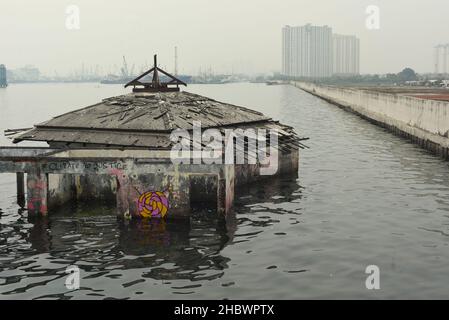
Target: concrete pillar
(21,189)
(178,195)
(221,196)
(37,193)
(225,193)
(122,196)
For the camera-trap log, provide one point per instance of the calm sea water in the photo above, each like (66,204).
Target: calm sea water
(363,197)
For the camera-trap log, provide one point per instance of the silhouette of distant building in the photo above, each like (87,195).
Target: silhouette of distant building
(3,80)
(315,52)
(307,51)
(25,74)
(346,55)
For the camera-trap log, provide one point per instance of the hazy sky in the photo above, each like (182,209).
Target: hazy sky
(239,35)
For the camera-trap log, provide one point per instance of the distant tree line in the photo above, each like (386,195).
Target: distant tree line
(406,75)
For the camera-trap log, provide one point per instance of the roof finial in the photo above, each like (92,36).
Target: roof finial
(156,82)
(155,85)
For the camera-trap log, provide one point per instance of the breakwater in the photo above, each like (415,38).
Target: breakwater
(423,121)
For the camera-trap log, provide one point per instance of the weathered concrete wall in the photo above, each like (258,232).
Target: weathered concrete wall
(425,122)
(175,187)
(203,188)
(60,189)
(63,188)
(141,187)
(95,188)
(288,164)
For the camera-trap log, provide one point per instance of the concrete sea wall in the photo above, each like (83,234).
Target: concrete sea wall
(424,122)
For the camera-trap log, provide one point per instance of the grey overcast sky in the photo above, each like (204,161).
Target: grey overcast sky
(239,35)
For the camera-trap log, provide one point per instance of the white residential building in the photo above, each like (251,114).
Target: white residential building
(307,51)
(315,52)
(346,55)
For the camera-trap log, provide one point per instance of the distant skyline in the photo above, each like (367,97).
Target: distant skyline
(240,36)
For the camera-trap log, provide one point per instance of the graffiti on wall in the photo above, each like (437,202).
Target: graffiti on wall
(37,194)
(150,204)
(85,166)
(153,204)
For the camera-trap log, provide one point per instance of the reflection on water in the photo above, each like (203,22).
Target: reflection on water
(35,251)
(363,197)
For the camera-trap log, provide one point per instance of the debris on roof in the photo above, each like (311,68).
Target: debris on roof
(146,117)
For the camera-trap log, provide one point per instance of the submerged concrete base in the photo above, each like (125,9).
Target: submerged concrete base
(50,191)
(138,187)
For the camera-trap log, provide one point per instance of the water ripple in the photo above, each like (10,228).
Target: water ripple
(364,196)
